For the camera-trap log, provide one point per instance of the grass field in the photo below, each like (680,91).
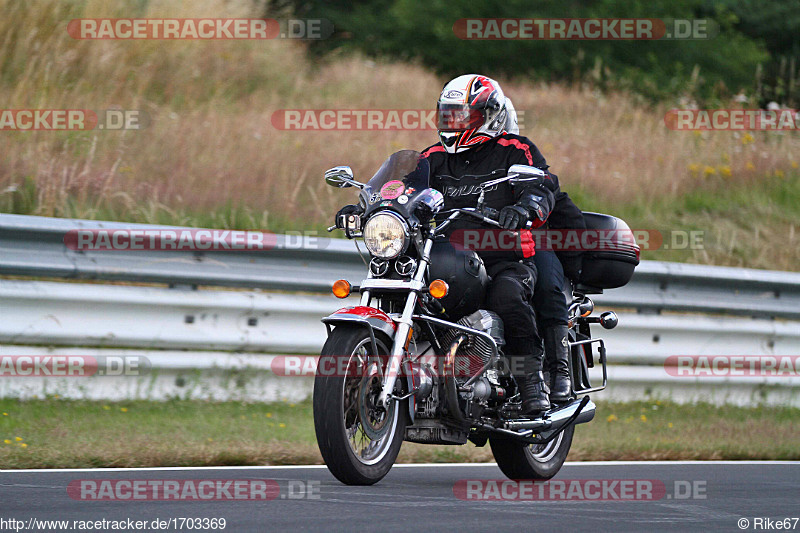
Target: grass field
(53,433)
(211,157)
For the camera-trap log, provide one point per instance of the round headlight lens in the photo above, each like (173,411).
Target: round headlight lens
(386,235)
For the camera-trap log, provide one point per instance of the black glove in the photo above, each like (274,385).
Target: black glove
(350,209)
(536,205)
(513,217)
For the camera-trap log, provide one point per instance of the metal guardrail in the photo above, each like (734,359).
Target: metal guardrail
(34,246)
(180,327)
(154,318)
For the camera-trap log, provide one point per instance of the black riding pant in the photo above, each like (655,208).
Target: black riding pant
(548,294)
(510,294)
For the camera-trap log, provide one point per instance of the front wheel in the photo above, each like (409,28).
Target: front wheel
(359,442)
(518,460)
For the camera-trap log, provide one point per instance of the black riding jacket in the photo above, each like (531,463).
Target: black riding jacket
(457,177)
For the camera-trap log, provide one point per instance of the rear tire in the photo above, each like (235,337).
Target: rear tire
(518,460)
(342,400)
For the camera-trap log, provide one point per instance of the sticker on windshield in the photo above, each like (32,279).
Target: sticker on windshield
(392,190)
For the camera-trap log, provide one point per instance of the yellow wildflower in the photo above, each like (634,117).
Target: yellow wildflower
(281,425)
(269,415)
(779,174)
(23,445)
(643,418)
(123,409)
(725,171)
(749,166)
(7,441)
(709,171)
(106,408)
(611,418)
(747,139)
(669,425)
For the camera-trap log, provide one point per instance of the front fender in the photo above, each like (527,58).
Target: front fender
(373,318)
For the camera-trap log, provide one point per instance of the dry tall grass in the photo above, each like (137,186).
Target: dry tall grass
(211,143)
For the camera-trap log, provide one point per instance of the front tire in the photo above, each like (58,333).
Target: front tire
(358,442)
(518,460)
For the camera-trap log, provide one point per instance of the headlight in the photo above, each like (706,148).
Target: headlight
(386,235)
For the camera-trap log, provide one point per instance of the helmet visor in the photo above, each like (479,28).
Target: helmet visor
(458,117)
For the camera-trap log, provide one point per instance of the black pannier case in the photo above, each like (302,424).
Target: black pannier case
(611,256)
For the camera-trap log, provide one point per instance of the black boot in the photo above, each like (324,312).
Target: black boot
(556,348)
(527,370)
(534,394)
(533,388)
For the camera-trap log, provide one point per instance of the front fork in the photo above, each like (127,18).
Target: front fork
(404,325)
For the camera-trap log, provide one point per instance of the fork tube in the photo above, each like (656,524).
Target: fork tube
(404,325)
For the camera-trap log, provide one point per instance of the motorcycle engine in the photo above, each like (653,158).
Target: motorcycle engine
(482,320)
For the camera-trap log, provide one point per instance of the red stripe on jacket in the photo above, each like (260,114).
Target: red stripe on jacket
(516,143)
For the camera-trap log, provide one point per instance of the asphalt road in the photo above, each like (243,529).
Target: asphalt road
(688,496)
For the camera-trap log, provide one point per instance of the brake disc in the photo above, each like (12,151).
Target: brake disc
(376,422)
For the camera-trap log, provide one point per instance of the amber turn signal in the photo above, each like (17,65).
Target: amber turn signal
(341,288)
(438,288)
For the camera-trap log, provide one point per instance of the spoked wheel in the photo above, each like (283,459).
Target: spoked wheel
(359,441)
(518,460)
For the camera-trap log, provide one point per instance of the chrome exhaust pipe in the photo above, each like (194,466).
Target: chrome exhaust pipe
(556,417)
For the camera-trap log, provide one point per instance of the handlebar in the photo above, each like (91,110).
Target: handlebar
(484,215)
(487,215)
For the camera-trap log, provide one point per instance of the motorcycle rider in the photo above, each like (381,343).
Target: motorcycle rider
(549,300)
(475,147)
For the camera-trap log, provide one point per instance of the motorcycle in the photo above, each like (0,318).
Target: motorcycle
(419,360)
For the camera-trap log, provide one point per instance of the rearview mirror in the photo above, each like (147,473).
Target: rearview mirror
(517,174)
(525,173)
(341,177)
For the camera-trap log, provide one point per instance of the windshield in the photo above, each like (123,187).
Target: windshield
(403,170)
